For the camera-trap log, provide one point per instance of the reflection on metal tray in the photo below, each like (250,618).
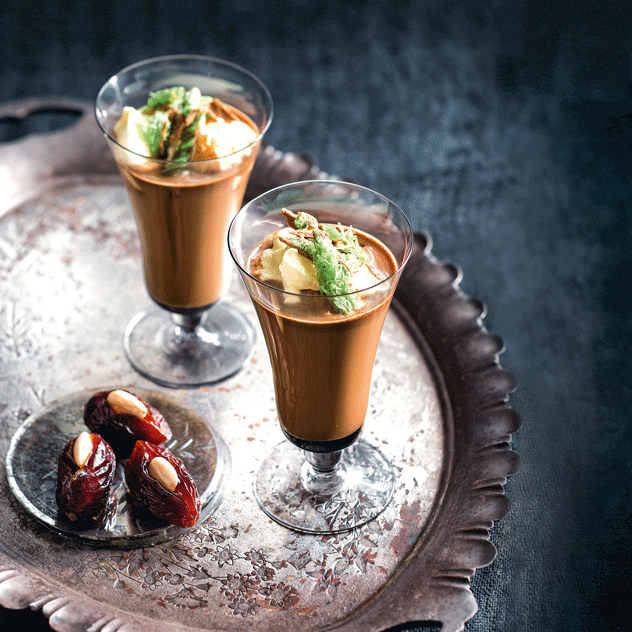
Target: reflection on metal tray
(70,279)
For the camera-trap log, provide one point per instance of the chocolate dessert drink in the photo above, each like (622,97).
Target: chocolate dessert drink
(185,131)
(183,212)
(322,359)
(321,261)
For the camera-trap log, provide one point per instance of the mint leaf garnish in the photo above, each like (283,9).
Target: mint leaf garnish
(332,249)
(304,220)
(155,128)
(181,144)
(171,119)
(333,275)
(346,242)
(169,97)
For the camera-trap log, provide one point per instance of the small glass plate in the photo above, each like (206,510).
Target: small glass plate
(34,451)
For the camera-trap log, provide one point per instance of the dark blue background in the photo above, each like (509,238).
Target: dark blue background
(503,129)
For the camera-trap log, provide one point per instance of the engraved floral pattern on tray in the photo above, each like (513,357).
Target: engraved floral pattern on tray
(238,563)
(217,566)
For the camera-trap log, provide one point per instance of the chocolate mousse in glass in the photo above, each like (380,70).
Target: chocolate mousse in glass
(185,131)
(321,261)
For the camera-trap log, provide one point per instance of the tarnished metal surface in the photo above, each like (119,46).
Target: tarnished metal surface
(70,280)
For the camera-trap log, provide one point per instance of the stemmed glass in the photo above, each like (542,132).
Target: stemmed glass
(182,211)
(324,479)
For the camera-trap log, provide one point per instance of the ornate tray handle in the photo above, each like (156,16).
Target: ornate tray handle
(36,163)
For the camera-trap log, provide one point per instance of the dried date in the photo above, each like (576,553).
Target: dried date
(122,418)
(84,475)
(157,481)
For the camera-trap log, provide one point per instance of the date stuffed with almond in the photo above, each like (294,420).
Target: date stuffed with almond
(158,481)
(122,418)
(84,475)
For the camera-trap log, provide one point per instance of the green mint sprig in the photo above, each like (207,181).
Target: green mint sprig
(346,242)
(173,110)
(176,98)
(335,252)
(180,147)
(155,130)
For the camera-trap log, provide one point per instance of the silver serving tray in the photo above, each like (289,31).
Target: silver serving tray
(70,280)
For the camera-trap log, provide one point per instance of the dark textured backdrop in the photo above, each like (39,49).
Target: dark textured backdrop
(503,129)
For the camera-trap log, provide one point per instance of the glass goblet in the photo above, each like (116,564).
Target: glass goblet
(182,212)
(324,479)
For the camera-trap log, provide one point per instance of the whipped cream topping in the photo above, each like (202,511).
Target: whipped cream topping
(128,134)
(221,139)
(286,265)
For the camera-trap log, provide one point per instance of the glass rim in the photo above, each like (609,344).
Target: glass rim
(183,57)
(407,229)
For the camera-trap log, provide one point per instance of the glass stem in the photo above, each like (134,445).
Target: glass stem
(187,323)
(182,339)
(323,461)
(322,473)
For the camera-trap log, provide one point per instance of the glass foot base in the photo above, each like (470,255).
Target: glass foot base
(357,491)
(171,355)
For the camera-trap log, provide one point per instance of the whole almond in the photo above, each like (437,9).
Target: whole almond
(163,472)
(125,403)
(82,449)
